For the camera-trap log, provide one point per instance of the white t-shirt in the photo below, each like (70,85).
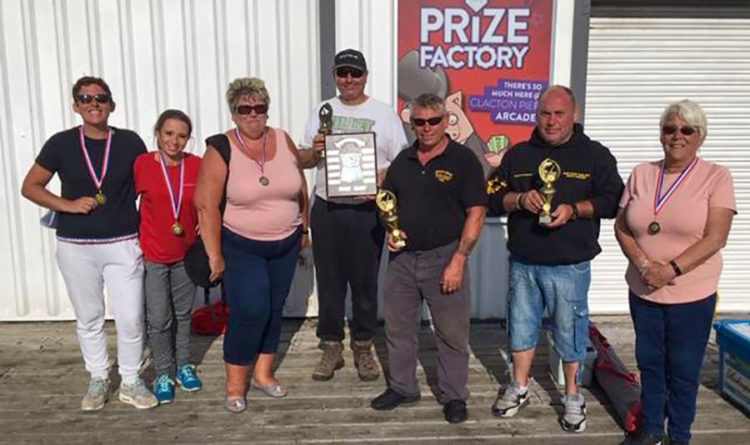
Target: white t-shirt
(371,115)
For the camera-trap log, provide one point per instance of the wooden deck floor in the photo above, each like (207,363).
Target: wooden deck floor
(42,380)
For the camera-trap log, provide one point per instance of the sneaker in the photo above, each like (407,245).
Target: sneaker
(574,419)
(511,401)
(644,438)
(367,367)
(329,362)
(137,394)
(188,379)
(164,389)
(96,395)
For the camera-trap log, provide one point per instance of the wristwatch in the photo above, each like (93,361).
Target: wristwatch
(575,212)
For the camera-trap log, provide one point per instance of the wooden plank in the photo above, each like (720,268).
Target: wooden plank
(42,379)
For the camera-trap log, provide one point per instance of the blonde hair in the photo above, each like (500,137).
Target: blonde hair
(246,86)
(690,112)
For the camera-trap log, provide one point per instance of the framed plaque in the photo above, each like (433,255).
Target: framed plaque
(351,164)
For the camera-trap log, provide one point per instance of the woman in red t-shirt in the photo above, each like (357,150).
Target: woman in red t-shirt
(165,179)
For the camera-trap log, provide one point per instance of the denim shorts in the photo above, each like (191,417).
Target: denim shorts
(562,292)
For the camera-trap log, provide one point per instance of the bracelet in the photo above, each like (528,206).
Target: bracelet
(518,201)
(575,212)
(676,268)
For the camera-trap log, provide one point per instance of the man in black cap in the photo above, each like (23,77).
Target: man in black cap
(348,238)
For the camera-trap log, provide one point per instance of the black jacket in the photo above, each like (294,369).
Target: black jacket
(589,171)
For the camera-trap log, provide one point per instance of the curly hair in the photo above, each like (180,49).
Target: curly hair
(246,86)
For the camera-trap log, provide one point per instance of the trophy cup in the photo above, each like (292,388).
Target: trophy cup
(386,202)
(549,172)
(326,123)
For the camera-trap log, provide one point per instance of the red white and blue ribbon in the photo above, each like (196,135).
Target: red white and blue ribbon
(176,204)
(659,200)
(98,181)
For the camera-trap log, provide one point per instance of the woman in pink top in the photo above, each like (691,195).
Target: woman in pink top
(674,218)
(254,244)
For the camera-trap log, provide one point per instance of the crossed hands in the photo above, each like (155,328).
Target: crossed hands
(656,275)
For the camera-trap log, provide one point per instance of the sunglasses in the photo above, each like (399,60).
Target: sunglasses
(685,131)
(101,98)
(349,71)
(247,109)
(432,121)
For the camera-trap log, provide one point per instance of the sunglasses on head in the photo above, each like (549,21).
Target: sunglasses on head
(432,121)
(247,109)
(349,71)
(102,98)
(671,129)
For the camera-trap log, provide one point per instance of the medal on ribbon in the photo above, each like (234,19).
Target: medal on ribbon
(100,197)
(264,181)
(176,204)
(660,201)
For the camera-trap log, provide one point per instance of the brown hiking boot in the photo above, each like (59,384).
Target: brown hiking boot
(364,361)
(330,362)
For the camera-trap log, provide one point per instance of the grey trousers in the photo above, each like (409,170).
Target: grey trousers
(412,277)
(169,298)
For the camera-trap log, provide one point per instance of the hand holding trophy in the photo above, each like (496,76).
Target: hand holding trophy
(326,127)
(549,172)
(387,203)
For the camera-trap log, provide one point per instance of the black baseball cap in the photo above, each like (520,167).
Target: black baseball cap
(351,58)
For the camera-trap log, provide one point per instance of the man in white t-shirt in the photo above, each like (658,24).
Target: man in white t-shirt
(347,235)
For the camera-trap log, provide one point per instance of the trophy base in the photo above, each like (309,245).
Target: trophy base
(545,219)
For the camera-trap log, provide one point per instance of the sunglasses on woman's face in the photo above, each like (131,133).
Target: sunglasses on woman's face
(685,131)
(102,98)
(247,109)
(432,121)
(349,71)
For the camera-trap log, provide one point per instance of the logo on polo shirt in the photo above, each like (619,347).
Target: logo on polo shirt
(443,175)
(577,175)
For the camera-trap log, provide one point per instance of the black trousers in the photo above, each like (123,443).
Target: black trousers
(347,244)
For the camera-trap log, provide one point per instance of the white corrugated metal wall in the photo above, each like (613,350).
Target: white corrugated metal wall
(155,54)
(636,67)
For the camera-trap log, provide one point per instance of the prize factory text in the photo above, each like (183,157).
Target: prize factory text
(493,38)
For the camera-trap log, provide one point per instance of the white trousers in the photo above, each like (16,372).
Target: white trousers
(86,269)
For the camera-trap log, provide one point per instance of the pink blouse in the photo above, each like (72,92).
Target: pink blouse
(258,212)
(682,221)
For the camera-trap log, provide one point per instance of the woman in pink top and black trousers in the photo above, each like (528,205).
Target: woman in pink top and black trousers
(674,217)
(255,244)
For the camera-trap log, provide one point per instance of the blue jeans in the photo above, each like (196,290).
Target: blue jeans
(257,280)
(670,341)
(563,291)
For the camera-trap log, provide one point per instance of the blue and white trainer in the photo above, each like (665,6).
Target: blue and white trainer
(188,379)
(164,389)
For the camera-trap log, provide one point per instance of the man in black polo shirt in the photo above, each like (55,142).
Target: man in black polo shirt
(441,206)
(550,260)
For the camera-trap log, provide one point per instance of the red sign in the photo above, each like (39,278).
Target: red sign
(489,59)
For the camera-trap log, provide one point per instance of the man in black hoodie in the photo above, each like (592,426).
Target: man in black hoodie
(551,245)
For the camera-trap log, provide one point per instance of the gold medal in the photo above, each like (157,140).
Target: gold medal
(101,198)
(654,228)
(177,229)
(264,181)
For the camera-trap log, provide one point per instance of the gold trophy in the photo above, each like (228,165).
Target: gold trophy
(386,202)
(549,172)
(326,123)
